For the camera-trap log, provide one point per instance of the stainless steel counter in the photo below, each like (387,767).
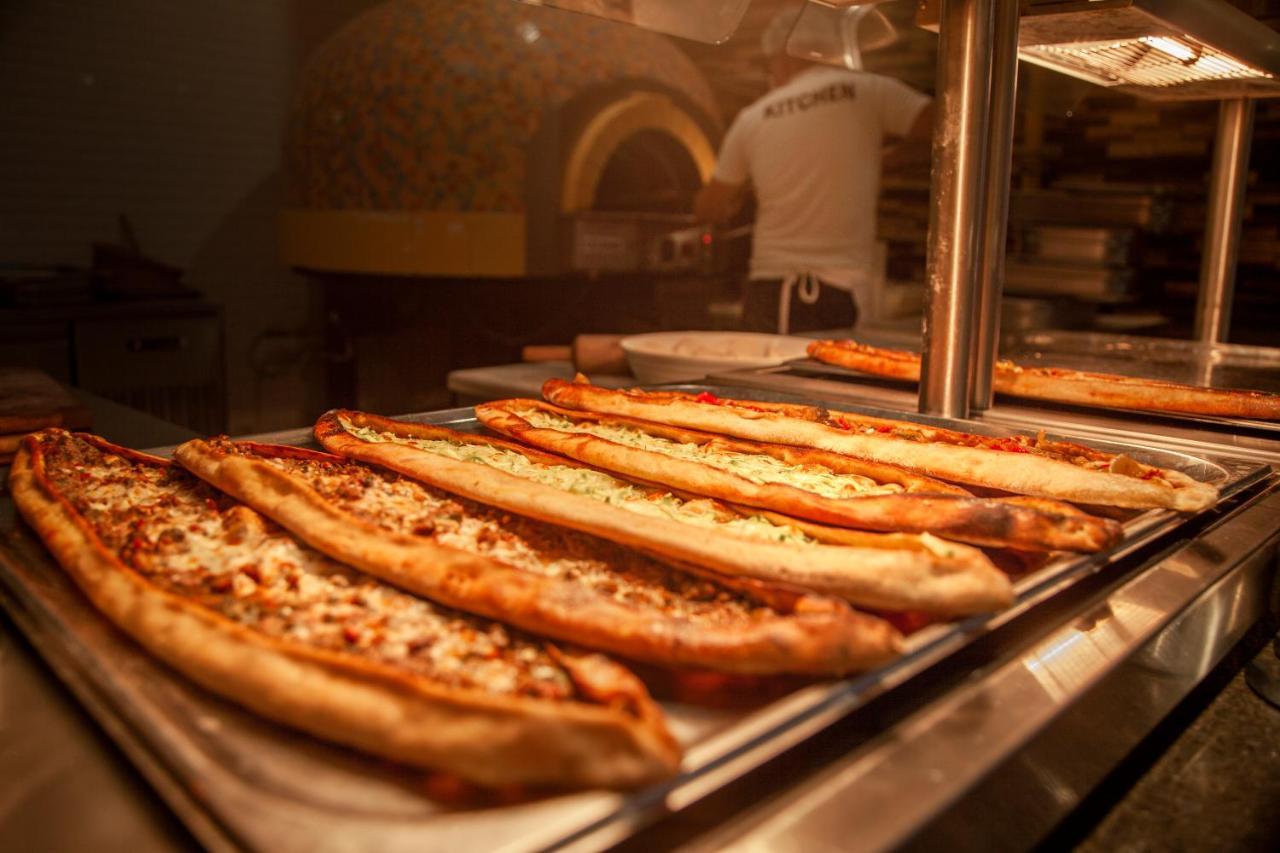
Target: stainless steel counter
(67,786)
(1029,738)
(480,384)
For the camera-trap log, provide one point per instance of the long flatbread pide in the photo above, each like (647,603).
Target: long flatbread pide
(241,607)
(883,571)
(1019,464)
(537,576)
(815,484)
(1066,386)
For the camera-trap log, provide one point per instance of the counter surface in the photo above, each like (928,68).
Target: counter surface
(75,790)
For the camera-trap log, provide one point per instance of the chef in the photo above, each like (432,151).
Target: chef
(810,150)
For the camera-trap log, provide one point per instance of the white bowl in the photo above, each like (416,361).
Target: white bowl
(682,356)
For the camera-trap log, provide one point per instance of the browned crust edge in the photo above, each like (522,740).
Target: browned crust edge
(1071,386)
(886,574)
(962,517)
(1101,389)
(895,364)
(910,481)
(372,707)
(560,609)
(1021,473)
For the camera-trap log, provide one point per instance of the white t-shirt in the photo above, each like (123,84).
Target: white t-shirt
(811,149)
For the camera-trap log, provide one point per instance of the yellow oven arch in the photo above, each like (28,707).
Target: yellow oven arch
(609,127)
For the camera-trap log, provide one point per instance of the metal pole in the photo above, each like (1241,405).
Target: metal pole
(999,159)
(955,214)
(1222,221)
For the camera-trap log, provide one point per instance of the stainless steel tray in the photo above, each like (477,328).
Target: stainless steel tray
(1032,277)
(1189,362)
(240,782)
(1089,425)
(1064,243)
(1140,359)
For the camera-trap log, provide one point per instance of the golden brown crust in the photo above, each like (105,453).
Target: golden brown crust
(814,638)
(910,482)
(960,517)
(1067,386)
(891,363)
(1110,390)
(9,444)
(1016,471)
(885,573)
(374,707)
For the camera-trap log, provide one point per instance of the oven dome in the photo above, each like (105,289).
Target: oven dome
(419,134)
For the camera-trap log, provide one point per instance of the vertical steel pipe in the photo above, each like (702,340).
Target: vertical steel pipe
(955,207)
(1222,221)
(999,160)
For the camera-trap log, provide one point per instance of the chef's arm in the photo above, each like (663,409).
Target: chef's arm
(913,150)
(922,127)
(717,202)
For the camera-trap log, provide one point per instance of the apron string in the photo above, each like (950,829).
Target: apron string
(807,287)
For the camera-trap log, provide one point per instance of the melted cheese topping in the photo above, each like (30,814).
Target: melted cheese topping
(598,486)
(1062,451)
(403,505)
(756,467)
(187,539)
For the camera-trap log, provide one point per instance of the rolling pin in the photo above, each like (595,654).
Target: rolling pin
(589,354)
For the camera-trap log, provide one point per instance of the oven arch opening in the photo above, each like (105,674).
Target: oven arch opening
(649,172)
(637,126)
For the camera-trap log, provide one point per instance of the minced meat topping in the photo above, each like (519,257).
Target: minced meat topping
(404,505)
(186,538)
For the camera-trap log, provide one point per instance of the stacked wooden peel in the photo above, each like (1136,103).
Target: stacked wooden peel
(406,592)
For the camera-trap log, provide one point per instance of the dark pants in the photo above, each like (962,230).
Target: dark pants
(834,308)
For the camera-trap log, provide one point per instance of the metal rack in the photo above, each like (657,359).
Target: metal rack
(977,76)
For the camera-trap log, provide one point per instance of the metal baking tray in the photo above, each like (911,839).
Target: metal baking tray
(1219,366)
(239,782)
(1213,365)
(1034,277)
(1077,245)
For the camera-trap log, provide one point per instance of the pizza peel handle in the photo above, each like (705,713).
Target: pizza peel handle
(600,354)
(545,352)
(588,353)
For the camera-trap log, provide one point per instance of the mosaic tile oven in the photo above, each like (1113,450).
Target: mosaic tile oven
(451,137)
